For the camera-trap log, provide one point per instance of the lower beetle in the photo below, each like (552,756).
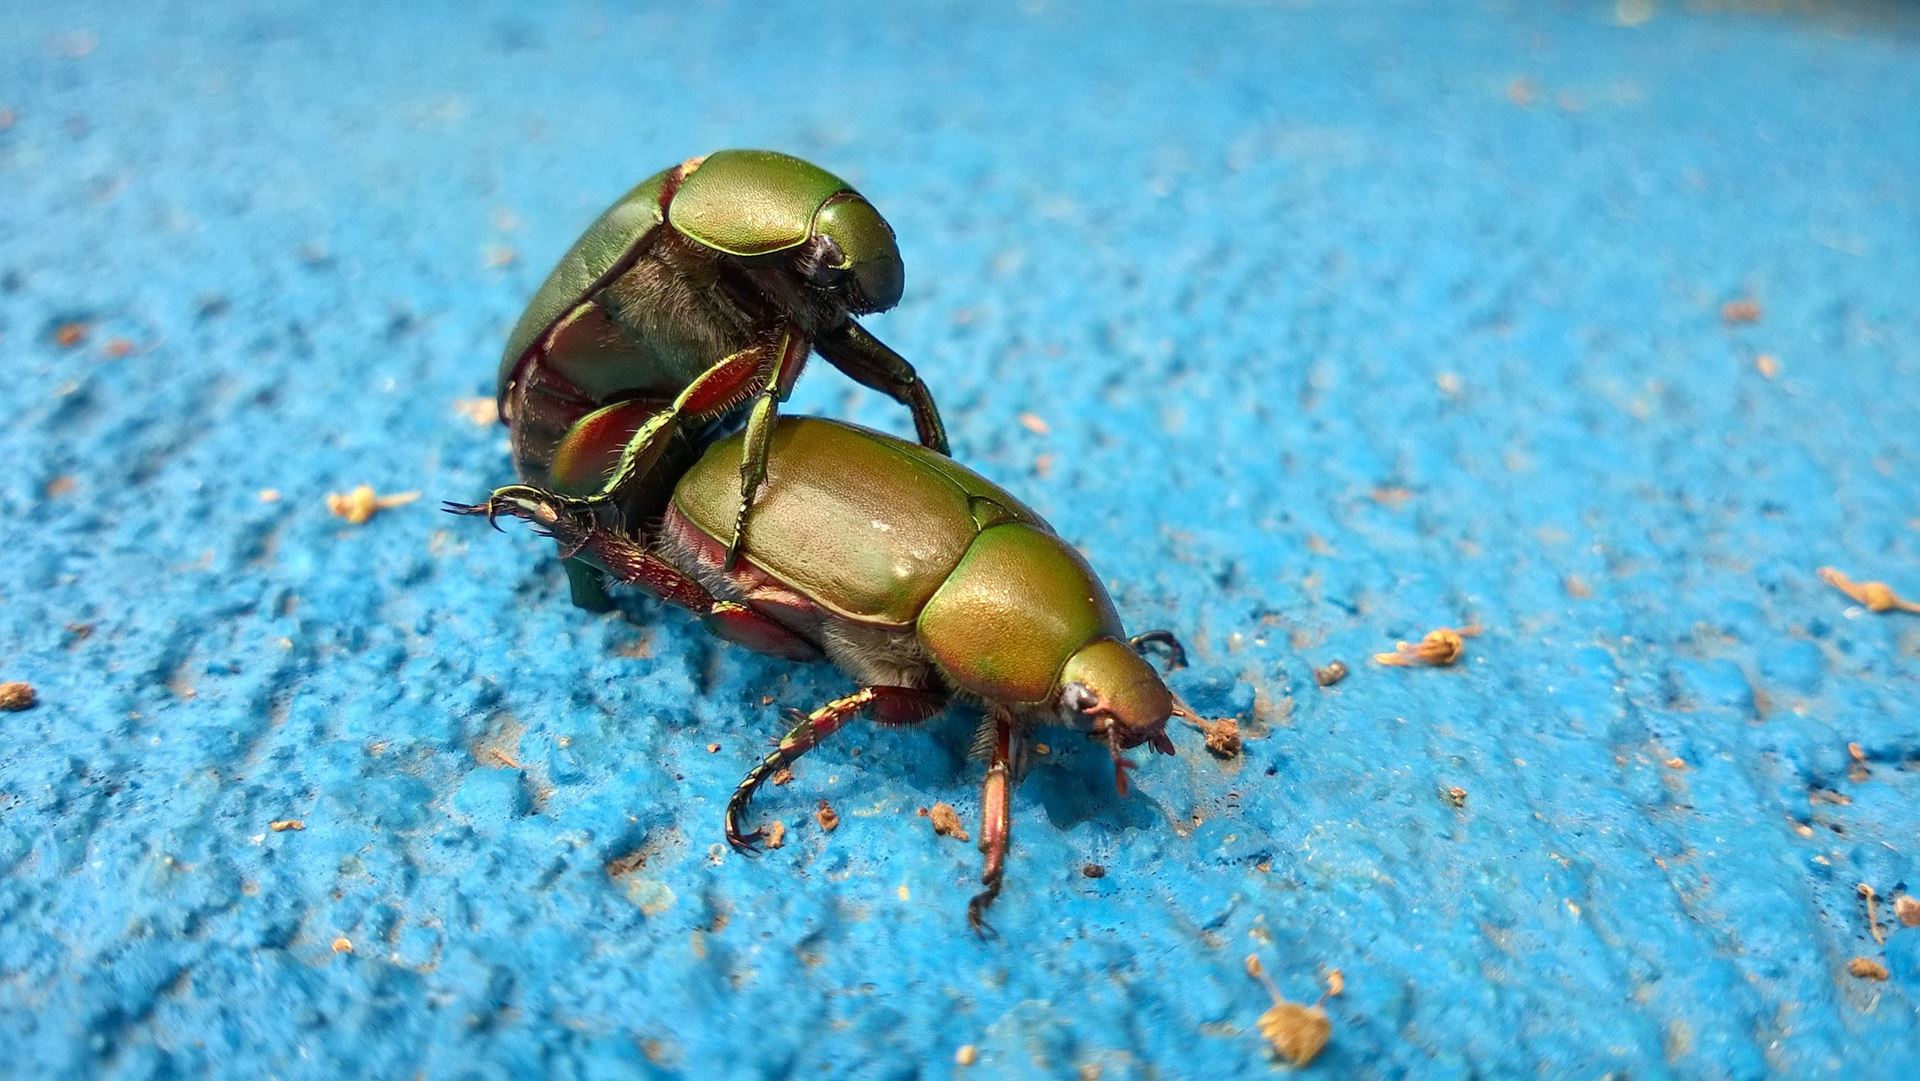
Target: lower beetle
(919,578)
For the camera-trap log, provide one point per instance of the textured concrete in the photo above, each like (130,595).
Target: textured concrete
(1344,321)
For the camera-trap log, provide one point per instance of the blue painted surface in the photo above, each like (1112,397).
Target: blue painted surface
(1257,267)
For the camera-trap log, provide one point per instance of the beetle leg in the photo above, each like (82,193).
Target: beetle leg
(996,821)
(868,361)
(889,705)
(1176,653)
(788,360)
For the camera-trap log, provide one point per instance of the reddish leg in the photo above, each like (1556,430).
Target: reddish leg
(996,820)
(888,705)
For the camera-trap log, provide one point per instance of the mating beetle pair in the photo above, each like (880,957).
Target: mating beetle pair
(703,288)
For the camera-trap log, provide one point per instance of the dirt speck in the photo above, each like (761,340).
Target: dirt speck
(1438,649)
(828,818)
(1740,311)
(360,505)
(282,825)
(1330,673)
(1094,870)
(946,822)
(16,695)
(70,335)
(776,833)
(1456,796)
(1875,596)
(1032,422)
(1906,908)
(966,1056)
(1294,1032)
(342,945)
(1867,968)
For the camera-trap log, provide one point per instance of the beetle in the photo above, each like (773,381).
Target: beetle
(919,578)
(707,286)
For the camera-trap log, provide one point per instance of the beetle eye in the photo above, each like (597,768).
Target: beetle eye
(824,263)
(1076,697)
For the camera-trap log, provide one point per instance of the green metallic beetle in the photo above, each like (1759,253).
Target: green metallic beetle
(706,286)
(916,576)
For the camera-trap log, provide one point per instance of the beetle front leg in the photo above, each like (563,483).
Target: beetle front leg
(868,361)
(788,360)
(889,705)
(996,820)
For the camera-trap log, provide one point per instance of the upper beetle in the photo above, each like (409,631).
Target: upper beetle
(706,286)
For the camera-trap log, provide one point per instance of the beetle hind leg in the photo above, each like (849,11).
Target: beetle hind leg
(889,705)
(996,819)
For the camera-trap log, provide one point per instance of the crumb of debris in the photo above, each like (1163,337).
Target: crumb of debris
(1449,384)
(1330,673)
(1577,587)
(783,775)
(1094,870)
(1090,1072)
(341,945)
(1456,796)
(1438,649)
(16,695)
(68,335)
(1740,311)
(1906,908)
(1857,770)
(503,757)
(1042,464)
(946,822)
(776,833)
(1873,912)
(1876,596)
(1520,91)
(1867,968)
(481,411)
(499,256)
(80,631)
(966,1056)
(1041,748)
(60,485)
(269,495)
(1336,983)
(117,349)
(1223,738)
(1296,1033)
(1767,365)
(713,748)
(360,505)
(1034,424)
(1676,762)
(1390,496)
(828,818)
(282,825)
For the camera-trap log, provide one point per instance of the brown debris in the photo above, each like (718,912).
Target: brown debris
(1223,735)
(117,349)
(1740,311)
(282,825)
(1456,796)
(783,775)
(1576,587)
(342,945)
(1295,1033)
(16,695)
(776,833)
(828,818)
(1857,767)
(360,505)
(966,1056)
(1034,424)
(1906,909)
(1336,983)
(269,495)
(713,748)
(1676,762)
(1873,913)
(68,335)
(1875,596)
(1437,650)
(1521,91)
(1094,870)
(1867,968)
(1767,365)
(1330,673)
(946,822)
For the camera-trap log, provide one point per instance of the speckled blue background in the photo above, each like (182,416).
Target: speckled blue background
(1346,321)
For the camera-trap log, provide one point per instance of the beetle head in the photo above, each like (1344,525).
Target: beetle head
(1111,693)
(853,255)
